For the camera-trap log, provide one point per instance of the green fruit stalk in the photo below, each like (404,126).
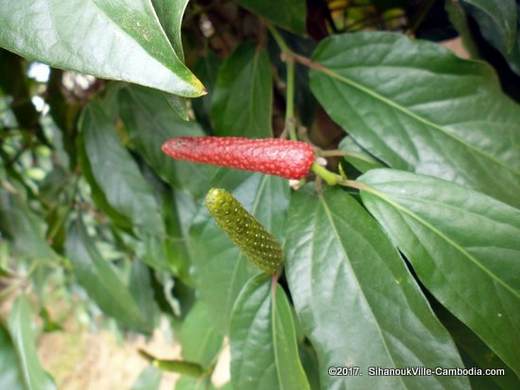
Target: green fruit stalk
(245,231)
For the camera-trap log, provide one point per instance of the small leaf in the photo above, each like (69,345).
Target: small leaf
(100,280)
(355,155)
(220,270)
(199,339)
(20,328)
(10,374)
(264,354)
(116,172)
(120,40)
(25,229)
(463,245)
(148,379)
(179,366)
(416,106)
(288,14)
(357,302)
(243,97)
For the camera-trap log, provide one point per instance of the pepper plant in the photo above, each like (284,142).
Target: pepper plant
(150,149)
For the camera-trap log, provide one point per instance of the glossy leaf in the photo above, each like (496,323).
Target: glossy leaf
(464,247)
(119,40)
(220,270)
(355,155)
(10,375)
(500,21)
(148,379)
(243,97)
(170,15)
(264,354)
(478,354)
(23,338)
(417,107)
(358,304)
(198,337)
(150,120)
(289,14)
(100,280)
(116,172)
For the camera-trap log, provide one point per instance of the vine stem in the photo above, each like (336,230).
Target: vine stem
(334,179)
(288,58)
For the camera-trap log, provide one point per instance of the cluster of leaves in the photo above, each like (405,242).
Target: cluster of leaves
(416,264)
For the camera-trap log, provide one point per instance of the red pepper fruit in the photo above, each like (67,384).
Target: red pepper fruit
(273,156)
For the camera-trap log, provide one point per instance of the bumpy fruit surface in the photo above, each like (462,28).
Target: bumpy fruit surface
(244,230)
(273,156)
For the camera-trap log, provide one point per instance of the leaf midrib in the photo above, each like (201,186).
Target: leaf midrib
(328,71)
(336,233)
(455,245)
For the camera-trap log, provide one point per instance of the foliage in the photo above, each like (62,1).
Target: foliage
(402,251)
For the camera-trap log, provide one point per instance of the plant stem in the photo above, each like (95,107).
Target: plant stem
(329,177)
(290,127)
(289,100)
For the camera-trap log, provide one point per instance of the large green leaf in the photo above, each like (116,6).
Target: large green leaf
(355,298)
(464,247)
(20,328)
(417,107)
(100,280)
(220,270)
(120,40)
(150,119)
(116,172)
(264,354)
(243,96)
(198,337)
(289,14)
(10,375)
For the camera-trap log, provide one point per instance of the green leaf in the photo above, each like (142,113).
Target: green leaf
(220,270)
(100,280)
(355,155)
(288,14)
(416,106)
(150,119)
(20,328)
(199,339)
(119,40)
(464,247)
(116,172)
(206,69)
(170,15)
(243,96)
(497,20)
(190,383)
(141,289)
(10,375)
(264,354)
(478,353)
(148,379)
(459,20)
(179,366)
(25,229)
(356,300)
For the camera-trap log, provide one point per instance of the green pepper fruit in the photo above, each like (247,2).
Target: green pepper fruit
(260,246)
